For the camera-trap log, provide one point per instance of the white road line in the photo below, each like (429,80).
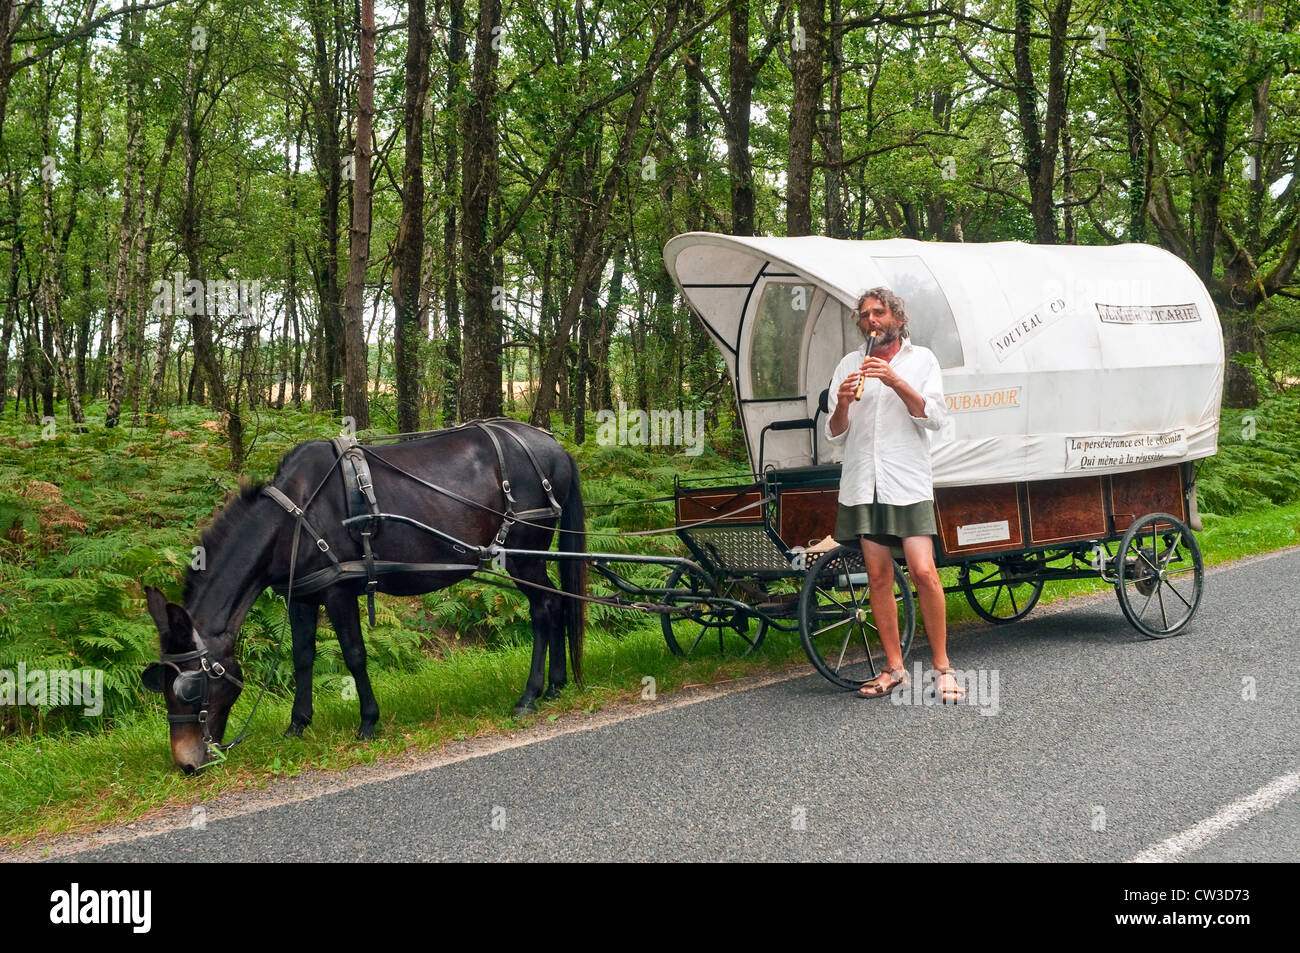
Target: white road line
(1224,820)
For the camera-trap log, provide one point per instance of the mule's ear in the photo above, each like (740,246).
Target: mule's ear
(175,627)
(180,623)
(157,603)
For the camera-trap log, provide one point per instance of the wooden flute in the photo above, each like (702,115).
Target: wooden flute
(862,381)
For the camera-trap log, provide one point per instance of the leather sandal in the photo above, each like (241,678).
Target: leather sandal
(879,688)
(949,696)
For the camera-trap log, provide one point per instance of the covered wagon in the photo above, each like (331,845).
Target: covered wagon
(1081,386)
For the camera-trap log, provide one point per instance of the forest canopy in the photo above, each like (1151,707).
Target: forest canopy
(415,214)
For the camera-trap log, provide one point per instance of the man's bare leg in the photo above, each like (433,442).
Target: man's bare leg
(880,576)
(919,551)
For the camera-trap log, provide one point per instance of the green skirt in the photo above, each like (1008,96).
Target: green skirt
(885,523)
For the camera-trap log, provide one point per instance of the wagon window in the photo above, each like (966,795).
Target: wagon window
(929,318)
(778,333)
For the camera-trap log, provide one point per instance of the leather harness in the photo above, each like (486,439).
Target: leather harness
(365,516)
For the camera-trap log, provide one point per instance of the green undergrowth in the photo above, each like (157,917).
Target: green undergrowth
(1258,462)
(87,519)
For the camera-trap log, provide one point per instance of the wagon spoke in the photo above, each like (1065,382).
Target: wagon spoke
(1141,554)
(1012,593)
(1174,590)
(866,647)
(698,639)
(1173,550)
(1150,595)
(844,648)
(833,625)
(848,579)
(997,594)
(830,594)
(1164,616)
(871,666)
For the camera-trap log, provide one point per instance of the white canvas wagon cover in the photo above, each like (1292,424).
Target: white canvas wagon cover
(1057,361)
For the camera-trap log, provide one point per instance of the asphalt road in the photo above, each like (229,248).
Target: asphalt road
(1103,744)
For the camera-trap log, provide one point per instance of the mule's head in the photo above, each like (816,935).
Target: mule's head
(198,678)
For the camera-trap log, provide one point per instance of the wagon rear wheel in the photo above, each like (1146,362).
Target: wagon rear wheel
(837,623)
(701,625)
(1159,575)
(1000,592)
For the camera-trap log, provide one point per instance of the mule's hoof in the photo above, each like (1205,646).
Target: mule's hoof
(294,730)
(552,693)
(365,733)
(525,709)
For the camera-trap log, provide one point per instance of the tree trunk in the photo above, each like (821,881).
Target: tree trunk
(741,75)
(121,279)
(1041,141)
(140,298)
(408,255)
(1137,157)
(451,278)
(52,258)
(1241,335)
(806,70)
(832,133)
(206,359)
(11,305)
(601,388)
(7,331)
(327,103)
(355,400)
(481,358)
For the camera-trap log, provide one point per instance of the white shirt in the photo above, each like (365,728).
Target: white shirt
(887,450)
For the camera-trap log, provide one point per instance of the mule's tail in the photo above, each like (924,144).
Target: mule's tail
(573,572)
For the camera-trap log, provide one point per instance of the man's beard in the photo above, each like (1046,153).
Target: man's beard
(883,336)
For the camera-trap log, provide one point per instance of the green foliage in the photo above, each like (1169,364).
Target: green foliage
(1257,463)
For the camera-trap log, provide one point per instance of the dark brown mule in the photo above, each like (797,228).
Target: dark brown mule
(248,548)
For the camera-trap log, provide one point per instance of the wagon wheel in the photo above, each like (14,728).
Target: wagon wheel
(1159,575)
(1005,591)
(836,622)
(697,627)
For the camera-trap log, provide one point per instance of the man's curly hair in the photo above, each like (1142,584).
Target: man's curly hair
(890,300)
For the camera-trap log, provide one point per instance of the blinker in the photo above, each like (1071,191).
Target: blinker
(186,686)
(152,677)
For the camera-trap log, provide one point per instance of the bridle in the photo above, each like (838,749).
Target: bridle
(193,687)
